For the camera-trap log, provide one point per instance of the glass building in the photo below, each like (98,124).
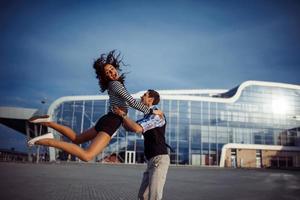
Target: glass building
(199,122)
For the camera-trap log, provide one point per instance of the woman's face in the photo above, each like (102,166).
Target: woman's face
(111,73)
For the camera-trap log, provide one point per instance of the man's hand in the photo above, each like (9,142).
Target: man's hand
(119,111)
(159,112)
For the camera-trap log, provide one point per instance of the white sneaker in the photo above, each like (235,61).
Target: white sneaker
(40,119)
(46,136)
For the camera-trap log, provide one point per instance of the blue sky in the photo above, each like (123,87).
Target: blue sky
(47,47)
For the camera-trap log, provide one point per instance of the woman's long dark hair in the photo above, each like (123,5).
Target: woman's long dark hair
(110,58)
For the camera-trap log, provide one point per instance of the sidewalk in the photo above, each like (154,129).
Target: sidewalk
(121,182)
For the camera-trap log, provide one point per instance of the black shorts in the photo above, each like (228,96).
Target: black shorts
(109,123)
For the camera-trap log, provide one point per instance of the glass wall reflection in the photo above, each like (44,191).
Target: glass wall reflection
(198,129)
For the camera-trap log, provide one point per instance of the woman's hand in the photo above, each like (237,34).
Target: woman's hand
(159,112)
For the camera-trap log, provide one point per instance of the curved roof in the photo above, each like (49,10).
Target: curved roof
(184,94)
(192,92)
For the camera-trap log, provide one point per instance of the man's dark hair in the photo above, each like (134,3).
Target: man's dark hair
(104,59)
(155,95)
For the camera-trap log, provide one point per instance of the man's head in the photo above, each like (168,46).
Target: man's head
(151,97)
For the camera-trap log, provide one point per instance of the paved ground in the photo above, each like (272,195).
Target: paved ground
(20,181)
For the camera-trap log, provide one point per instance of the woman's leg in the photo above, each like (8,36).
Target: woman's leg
(85,136)
(97,145)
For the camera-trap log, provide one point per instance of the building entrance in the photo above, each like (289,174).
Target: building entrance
(130,157)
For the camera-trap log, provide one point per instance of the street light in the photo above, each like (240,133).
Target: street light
(296,117)
(42,110)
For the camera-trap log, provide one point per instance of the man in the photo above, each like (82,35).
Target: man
(155,148)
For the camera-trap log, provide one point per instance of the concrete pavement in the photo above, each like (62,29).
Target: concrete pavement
(87,181)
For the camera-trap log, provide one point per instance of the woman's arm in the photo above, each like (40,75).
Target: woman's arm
(119,89)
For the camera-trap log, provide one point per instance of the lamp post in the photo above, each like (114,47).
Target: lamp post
(296,117)
(43,102)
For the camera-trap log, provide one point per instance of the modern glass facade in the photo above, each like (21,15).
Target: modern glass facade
(198,124)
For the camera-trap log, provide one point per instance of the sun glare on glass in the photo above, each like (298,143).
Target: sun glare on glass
(279,106)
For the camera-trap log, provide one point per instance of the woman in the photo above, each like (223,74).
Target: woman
(107,68)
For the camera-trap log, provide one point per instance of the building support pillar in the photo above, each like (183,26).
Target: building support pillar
(28,138)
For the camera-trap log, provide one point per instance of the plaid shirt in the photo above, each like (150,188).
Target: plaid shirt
(151,121)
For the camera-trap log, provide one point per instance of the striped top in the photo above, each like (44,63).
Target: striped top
(119,96)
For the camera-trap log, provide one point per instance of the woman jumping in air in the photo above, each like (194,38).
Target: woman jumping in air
(107,68)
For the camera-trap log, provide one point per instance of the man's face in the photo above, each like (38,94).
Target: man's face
(145,99)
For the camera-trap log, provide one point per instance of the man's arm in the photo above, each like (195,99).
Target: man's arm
(131,125)
(128,123)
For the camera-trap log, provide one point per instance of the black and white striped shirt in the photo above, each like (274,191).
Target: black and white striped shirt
(119,96)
